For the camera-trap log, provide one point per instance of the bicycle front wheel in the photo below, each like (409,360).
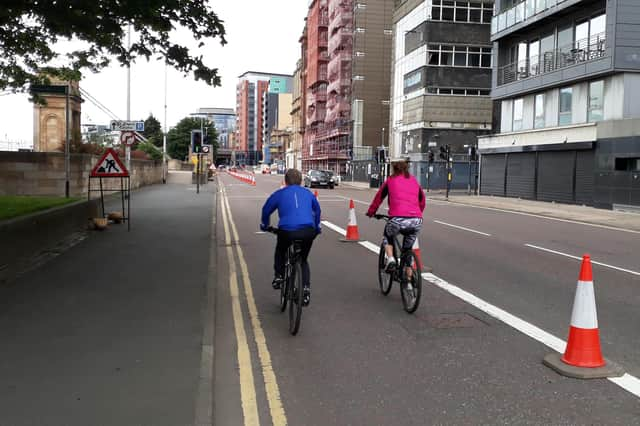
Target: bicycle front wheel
(411,293)
(385,280)
(295,291)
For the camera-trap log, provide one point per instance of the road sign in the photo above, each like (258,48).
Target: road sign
(109,165)
(124,125)
(127,138)
(206,149)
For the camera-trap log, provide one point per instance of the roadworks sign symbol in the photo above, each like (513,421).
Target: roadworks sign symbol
(109,165)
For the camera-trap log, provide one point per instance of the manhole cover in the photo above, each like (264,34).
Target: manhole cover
(452,320)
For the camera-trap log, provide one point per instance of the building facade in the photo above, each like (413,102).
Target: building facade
(293,152)
(441,76)
(224,120)
(346,46)
(567,124)
(250,91)
(276,120)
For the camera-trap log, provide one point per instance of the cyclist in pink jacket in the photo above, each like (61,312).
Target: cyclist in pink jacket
(406,205)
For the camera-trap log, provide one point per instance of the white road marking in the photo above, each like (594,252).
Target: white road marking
(627,382)
(462,228)
(617,268)
(576,222)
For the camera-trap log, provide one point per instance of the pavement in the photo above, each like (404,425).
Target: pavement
(176,323)
(110,332)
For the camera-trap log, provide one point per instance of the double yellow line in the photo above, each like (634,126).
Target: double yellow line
(247,383)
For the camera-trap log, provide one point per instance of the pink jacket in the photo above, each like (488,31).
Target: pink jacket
(406,198)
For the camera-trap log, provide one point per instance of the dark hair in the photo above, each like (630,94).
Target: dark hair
(401,168)
(293,177)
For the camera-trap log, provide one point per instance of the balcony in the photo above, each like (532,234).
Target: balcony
(521,12)
(323,20)
(582,51)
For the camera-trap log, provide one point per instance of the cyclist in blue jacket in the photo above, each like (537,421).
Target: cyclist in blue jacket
(299,219)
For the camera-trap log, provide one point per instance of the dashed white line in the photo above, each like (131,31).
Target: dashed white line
(627,381)
(617,268)
(462,228)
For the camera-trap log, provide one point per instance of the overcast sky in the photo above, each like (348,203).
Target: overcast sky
(262,36)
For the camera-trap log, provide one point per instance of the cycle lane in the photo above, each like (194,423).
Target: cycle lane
(360,359)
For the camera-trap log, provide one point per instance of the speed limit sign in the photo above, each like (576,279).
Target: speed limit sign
(127,138)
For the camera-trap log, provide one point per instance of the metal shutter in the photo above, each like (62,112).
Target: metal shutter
(492,174)
(585,177)
(521,175)
(555,176)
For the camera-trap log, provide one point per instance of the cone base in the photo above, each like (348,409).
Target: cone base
(554,361)
(344,240)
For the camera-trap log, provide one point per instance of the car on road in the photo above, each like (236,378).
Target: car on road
(318,178)
(336,179)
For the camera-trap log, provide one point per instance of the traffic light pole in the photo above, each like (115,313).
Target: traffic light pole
(198,175)
(448,172)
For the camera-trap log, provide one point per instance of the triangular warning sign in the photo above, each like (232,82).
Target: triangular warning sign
(109,165)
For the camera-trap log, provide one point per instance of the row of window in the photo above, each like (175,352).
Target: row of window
(458,91)
(595,107)
(458,56)
(462,11)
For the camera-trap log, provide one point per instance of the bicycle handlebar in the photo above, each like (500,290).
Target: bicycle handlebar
(382,216)
(272,230)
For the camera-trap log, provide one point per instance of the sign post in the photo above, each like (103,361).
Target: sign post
(110,166)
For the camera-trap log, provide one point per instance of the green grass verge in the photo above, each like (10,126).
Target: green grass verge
(14,206)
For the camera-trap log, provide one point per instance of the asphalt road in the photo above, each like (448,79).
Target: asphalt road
(359,359)
(176,323)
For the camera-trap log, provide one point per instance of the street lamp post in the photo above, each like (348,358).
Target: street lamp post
(164,135)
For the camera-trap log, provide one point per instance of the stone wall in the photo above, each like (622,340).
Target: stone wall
(42,173)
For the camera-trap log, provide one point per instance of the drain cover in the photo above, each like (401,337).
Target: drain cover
(452,320)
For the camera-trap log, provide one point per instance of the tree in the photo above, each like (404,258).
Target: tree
(30,29)
(179,137)
(153,130)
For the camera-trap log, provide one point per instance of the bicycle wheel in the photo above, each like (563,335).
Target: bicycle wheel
(295,291)
(411,297)
(385,280)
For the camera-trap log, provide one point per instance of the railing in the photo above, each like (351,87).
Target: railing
(581,51)
(520,12)
(324,55)
(323,20)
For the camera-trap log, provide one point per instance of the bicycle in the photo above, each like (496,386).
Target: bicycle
(410,291)
(291,291)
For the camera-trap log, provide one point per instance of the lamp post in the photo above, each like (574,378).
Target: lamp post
(164,134)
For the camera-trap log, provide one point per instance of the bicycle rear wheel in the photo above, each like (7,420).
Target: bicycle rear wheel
(385,280)
(411,297)
(295,291)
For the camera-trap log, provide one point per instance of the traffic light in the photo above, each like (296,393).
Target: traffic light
(196,141)
(381,156)
(430,155)
(443,153)
(473,153)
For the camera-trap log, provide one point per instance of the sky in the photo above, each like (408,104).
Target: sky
(261,36)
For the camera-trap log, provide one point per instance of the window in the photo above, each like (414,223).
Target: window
(457,91)
(534,57)
(413,78)
(361,6)
(458,56)
(566,100)
(518,110)
(358,77)
(479,12)
(538,121)
(596,101)
(627,164)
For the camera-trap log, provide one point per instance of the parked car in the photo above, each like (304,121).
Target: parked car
(318,178)
(336,179)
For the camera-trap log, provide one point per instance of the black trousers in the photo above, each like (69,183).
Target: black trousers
(285,239)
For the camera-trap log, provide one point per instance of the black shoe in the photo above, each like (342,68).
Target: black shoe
(306,296)
(277,283)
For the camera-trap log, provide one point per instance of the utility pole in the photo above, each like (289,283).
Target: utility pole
(128,148)
(383,164)
(164,134)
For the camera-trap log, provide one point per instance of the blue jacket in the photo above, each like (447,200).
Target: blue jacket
(297,208)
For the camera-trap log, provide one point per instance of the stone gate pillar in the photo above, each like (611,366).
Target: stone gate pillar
(49,120)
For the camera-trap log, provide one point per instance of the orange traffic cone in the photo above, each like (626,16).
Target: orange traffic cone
(583,357)
(315,193)
(253,180)
(352,226)
(416,253)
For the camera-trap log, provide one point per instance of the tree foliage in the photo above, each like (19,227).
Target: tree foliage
(30,29)
(179,137)
(153,130)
